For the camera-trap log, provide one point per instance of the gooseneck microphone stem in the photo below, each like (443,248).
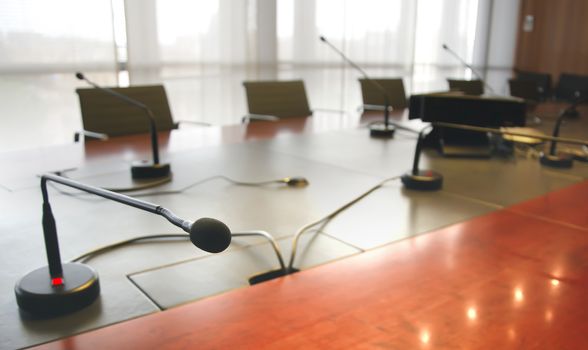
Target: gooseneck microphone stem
(49,228)
(417,152)
(454,54)
(559,121)
(374,83)
(148,112)
(512,133)
(50,236)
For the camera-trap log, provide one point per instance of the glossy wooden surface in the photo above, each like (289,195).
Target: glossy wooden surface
(502,280)
(564,206)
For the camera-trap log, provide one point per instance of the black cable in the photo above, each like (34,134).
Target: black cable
(289,181)
(90,254)
(330,216)
(184,237)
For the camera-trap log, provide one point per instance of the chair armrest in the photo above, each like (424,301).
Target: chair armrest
(89,134)
(249,117)
(191,122)
(329,110)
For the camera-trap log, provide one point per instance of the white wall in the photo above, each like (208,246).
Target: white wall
(503,33)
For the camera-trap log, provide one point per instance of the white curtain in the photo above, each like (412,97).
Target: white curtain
(203,31)
(369,31)
(56,35)
(376,32)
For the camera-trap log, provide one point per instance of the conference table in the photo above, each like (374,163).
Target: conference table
(496,259)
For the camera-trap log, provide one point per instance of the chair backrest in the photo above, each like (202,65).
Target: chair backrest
(528,90)
(543,81)
(571,87)
(468,87)
(104,113)
(394,88)
(282,99)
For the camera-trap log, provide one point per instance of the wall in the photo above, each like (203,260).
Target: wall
(558,39)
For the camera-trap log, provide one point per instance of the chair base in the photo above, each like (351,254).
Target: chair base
(561,161)
(425,180)
(149,170)
(382,130)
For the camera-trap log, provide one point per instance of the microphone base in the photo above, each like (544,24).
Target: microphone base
(36,296)
(382,130)
(148,170)
(571,113)
(579,155)
(425,180)
(581,158)
(561,161)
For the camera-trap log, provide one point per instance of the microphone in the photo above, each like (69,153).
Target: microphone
(143,169)
(463,62)
(376,130)
(427,180)
(562,160)
(59,289)
(421,180)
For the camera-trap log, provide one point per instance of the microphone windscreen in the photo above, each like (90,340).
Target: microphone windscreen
(79,76)
(210,235)
(444,46)
(322,38)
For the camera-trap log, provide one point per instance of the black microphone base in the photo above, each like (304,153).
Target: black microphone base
(36,296)
(571,113)
(382,130)
(425,180)
(557,161)
(149,170)
(581,157)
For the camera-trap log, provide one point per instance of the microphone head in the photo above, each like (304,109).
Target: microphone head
(444,46)
(80,76)
(322,38)
(210,235)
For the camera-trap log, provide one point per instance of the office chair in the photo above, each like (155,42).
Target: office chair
(571,87)
(468,87)
(526,89)
(542,81)
(531,92)
(104,115)
(273,100)
(373,98)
